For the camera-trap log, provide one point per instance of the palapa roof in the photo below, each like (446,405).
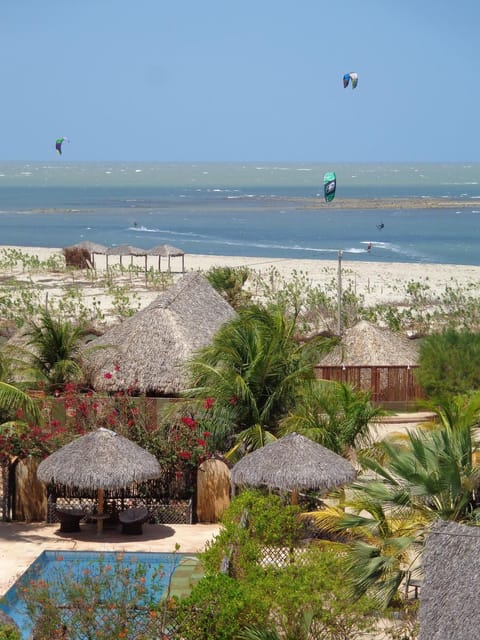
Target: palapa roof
(148,351)
(293,462)
(165,250)
(366,344)
(92,247)
(101,459)
(125,250)
(448,598)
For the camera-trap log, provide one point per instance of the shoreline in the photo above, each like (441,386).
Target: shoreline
(376,282)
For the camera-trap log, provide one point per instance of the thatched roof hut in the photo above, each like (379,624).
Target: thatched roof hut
(148,351)
(123,250)
(451,565)
(293,463)
(73,253)
(101,459)
(166,251)
(92,247)
(366,344)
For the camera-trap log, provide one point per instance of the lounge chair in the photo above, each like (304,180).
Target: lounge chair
(132,520)
(70,519)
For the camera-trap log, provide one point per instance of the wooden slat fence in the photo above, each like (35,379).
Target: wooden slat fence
(387,383)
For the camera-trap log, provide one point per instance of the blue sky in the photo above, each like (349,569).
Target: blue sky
(218,80)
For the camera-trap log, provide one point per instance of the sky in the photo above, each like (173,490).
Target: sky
(257,80)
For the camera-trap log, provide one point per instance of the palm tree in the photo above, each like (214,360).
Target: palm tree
(253,369)
(56,349)
(333,414)
(427,476)
(13,400)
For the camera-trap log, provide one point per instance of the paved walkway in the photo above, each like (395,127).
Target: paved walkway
(21,543)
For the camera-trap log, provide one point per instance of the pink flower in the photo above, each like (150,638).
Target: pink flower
(108,375)
(116,367)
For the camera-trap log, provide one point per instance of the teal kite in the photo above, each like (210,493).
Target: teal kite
(329,186)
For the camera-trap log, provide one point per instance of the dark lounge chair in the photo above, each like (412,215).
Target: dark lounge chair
(70,519)
(132,520)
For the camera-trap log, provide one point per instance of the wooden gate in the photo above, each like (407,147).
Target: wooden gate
(213,490)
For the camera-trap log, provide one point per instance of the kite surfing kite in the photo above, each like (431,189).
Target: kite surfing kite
(329,186)
(350,76)
(58,144)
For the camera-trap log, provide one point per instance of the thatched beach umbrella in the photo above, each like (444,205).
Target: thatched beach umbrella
(167,251)
(366,344)
(126,250)
(99,460)
(293,463)
(92,247)
(148,351)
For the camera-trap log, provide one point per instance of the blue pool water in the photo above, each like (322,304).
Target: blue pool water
(51,566)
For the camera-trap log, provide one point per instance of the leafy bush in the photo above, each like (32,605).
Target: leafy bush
(308,592)
(449,363)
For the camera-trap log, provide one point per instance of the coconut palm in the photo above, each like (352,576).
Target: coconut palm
(55,354)
(333,414)
(253,369)
(427,476)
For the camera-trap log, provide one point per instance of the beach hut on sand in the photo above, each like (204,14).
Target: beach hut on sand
(148,351)
(377,359)
(123,250)
(99,461)
(167,251)
(93,248)
(292,464)
(451,567)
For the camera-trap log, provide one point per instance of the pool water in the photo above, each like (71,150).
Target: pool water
(156,571)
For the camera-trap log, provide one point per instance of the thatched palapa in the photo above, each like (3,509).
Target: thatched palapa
(293,463)
(167,251)
(368,345)
(99,460)
(451,566)
(148,352)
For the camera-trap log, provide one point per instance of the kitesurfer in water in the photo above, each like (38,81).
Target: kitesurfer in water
(369,246)
(380,226)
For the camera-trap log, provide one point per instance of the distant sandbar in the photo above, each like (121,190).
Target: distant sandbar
(389,203)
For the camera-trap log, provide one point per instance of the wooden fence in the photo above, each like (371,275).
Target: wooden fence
(387,384)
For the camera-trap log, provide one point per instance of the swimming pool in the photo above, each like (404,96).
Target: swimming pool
(121,574)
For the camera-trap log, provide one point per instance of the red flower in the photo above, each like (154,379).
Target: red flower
(209,402)
(233,400)
(206,434)
(108,375)
(190,422)
(185,455)
(201,443)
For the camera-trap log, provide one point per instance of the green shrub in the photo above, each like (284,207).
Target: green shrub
(449,363)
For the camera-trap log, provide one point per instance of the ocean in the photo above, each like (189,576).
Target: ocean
(273,210)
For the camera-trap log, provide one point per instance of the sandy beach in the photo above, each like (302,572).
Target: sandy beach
(377,282)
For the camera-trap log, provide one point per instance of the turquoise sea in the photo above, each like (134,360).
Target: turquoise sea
(252,209)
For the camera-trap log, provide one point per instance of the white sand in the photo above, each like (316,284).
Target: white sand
(376,281)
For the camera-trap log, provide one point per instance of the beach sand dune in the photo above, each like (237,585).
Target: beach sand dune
(376,282)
